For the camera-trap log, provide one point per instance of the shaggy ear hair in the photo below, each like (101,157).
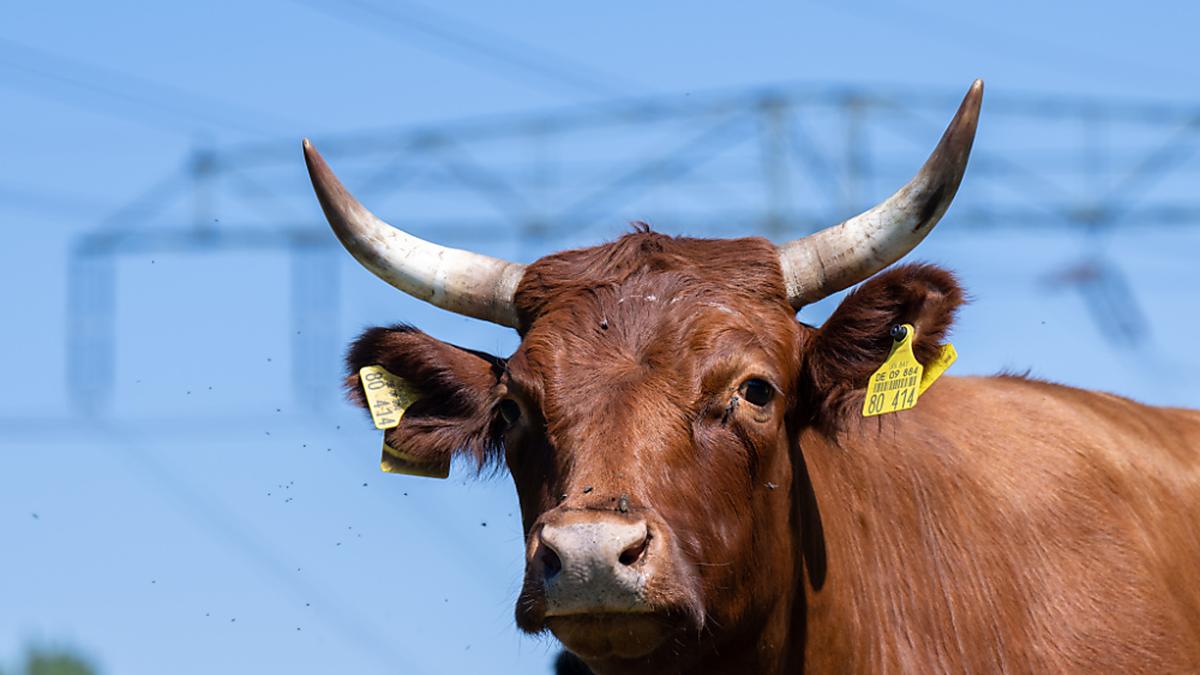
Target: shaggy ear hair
(455,413)
(840,358)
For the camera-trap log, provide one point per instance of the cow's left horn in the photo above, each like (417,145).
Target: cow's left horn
(837,257)
(460,281)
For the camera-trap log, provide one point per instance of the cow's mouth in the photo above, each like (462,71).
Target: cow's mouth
(612,635)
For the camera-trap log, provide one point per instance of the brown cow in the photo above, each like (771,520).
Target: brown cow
(700,492)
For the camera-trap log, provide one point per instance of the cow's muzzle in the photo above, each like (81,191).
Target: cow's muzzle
(593,563)
(592,578)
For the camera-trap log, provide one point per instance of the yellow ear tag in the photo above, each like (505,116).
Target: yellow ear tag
(394,461)
(934,370)
(896,385)
(388,396)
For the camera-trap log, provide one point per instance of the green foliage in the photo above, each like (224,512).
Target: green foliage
(54,661)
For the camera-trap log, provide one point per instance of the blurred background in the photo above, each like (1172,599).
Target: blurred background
(182,487)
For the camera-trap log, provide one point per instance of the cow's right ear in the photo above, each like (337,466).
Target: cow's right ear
(456,409)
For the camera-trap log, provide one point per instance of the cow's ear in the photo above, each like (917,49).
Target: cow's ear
(839,358)
(455,409)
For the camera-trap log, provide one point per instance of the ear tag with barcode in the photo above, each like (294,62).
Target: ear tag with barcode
(388,396)
(896,385)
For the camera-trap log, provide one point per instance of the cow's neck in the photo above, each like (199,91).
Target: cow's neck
(854,514)
(875,503)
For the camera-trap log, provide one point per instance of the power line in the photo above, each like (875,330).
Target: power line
(41,91)
(488,50)
(967,33)
(138,99)
(23,197)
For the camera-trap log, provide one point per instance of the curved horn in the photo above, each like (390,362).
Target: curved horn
(460,281)
(837,257)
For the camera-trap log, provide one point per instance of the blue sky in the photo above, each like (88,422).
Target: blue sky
(157,540)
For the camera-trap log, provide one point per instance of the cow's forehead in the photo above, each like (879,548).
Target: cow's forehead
(651,309)
(647,267)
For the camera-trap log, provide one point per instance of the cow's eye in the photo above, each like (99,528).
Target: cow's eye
(510,411)
(759,392)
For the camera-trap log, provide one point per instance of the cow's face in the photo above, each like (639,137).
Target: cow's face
(646,434)
(648,421)
(644,422)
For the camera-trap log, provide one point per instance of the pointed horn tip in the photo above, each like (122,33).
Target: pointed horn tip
(335,200)
(966,121)
(310,152)
(323,178)
(311,156)
(972,102)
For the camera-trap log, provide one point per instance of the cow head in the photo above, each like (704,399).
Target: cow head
(649,416)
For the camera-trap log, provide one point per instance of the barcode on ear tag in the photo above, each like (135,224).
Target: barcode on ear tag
(388,396)
(897,384)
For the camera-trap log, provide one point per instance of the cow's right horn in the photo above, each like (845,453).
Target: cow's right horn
(460,281)
(837,257)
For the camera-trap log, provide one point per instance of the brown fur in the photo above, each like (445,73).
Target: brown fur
(1002,525)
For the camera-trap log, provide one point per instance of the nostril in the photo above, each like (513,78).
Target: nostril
(551,563)
(634,553)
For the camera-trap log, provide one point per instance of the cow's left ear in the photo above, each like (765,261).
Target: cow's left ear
(839,358)
(455,411)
